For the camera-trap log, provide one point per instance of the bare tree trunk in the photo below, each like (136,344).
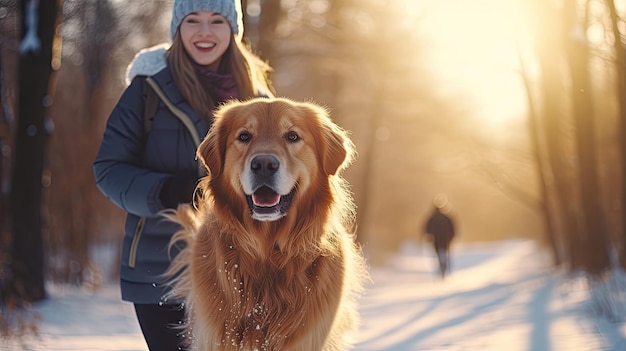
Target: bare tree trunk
(550,52)
(35,71)
(620,72)
(271,13)
(595,228)
(6,140)
(550,228)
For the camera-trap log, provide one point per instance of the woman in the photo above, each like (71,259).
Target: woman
(146,168)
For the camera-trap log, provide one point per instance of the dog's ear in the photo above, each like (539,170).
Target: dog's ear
(339,148)
(212,149)
(208,155)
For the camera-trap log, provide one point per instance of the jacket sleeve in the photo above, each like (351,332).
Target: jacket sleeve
(118,165)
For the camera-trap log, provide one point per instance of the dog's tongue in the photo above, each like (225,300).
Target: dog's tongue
(265,197)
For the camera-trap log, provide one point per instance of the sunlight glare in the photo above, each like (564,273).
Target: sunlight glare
(474,52)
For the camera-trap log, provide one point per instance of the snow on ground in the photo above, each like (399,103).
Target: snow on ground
(500,296)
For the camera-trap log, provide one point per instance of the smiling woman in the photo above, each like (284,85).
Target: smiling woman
(206,36)
(474,52)
(149,168)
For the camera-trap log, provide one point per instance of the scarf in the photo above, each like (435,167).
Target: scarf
(221,87)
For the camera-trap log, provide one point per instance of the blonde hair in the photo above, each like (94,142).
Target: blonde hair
(250,72)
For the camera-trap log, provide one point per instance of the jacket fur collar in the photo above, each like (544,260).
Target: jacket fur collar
(147,62)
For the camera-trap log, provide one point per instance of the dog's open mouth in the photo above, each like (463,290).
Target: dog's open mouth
(267,205)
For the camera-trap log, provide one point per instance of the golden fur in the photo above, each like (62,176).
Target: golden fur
(256,273)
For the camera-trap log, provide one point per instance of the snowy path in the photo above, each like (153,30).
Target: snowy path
(500,296)
(76,320)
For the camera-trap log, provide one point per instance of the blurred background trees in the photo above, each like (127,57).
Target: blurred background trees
(515,109)
(579,95)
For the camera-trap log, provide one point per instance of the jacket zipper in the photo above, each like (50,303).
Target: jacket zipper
(132,257)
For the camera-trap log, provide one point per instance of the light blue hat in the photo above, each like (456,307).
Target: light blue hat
(231,9)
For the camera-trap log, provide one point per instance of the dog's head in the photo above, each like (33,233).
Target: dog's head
(268,154)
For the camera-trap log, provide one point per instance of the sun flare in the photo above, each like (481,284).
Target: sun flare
(474,51)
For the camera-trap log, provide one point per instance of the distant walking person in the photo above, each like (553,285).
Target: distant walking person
(440,229)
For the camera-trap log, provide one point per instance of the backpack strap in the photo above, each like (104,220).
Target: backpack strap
(151,103)
(181,115)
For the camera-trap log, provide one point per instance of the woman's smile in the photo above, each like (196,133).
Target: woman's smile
(205,36)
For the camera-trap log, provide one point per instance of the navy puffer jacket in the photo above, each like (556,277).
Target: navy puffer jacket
(131,173)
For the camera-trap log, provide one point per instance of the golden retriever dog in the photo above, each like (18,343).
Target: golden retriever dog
(270,261)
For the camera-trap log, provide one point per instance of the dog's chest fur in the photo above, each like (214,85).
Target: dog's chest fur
(261,305)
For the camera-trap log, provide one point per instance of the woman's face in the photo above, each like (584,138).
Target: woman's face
(205,36)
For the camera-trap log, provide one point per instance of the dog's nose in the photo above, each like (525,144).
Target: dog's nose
(264,165)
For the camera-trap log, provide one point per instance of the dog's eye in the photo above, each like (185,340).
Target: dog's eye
(244,137)
(292,136)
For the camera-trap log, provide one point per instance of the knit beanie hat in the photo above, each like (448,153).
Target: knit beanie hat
(231,9)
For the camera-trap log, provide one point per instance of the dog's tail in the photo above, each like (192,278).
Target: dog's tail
(177,275)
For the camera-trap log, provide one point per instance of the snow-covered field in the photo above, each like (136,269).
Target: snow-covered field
(500,296)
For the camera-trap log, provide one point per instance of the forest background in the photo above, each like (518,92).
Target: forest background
(515,109)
